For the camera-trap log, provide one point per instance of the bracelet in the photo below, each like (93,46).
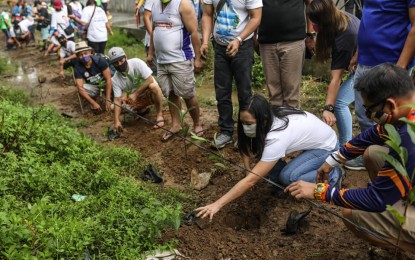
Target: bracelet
(329,108)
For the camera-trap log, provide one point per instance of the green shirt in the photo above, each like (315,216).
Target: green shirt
(3,18)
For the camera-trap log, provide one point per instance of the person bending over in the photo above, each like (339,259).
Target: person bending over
(386,91)
(270,133)
(126,90)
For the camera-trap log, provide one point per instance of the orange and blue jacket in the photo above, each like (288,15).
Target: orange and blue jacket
(390,185)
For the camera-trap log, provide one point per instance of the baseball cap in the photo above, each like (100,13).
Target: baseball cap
(115,54)
(57,4)
(81,46)
(44,4)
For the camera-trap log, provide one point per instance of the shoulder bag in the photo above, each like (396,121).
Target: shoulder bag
(85,31)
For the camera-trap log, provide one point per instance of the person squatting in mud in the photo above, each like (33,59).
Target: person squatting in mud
(90,71)
(270,133)
(387,90)
(130,91)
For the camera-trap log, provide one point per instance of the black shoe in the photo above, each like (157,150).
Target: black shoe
(293,221)
(150,174)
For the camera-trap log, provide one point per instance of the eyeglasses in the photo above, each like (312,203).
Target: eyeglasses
(368,110)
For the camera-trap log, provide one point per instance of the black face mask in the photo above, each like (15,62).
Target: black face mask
(123,67)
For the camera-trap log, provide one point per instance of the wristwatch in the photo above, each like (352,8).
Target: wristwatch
(319,190)
(240,40)
(329,108)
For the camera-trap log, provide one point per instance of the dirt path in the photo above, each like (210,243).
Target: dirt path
(248,228)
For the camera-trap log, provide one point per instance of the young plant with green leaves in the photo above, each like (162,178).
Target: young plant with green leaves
(394,142)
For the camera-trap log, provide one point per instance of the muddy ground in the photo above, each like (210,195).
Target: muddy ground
(248,228)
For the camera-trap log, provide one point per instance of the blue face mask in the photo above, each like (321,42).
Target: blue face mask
(85,59)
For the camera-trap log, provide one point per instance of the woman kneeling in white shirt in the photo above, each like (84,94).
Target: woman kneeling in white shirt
(270,133)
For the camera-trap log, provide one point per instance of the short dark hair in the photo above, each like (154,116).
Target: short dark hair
(384,81)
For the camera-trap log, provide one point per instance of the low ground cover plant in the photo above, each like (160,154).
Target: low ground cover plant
(43,162)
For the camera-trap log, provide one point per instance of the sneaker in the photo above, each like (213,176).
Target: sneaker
(356,164)
(342,175)
(222,140)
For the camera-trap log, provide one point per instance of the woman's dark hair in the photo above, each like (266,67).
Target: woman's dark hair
(264,114)
(330,21)
(384,81)
(91,2)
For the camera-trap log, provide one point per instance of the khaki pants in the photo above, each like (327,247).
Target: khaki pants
(385,223)
(283,64)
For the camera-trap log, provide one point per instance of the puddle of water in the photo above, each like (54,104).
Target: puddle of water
(26,78)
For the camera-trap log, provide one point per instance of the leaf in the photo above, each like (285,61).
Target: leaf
(395,163)
(198,138)
(393,134)
(412,197)
(396,214)
(411,128)
(220,165)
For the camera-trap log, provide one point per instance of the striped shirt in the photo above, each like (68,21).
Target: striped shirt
(389,186)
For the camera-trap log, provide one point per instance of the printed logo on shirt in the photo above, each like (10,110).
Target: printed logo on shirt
(227,21)
(167,25)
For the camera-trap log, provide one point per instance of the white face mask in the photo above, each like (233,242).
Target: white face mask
(250,130)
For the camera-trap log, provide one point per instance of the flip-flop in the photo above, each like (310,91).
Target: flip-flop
(157,126)
(167,136)
(200,133)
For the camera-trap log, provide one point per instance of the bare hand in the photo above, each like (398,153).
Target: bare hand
(208,211)
(108,105)
(204,50)
(62,74)
(329,118)
(353,64)
(233,48)
(149,60)
(198,65)
(323,173)
(118,127)
(310,44)
(96,107)
(301,190)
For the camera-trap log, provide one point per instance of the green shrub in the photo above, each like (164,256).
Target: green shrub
(13,95)
(120,38)
(258,78)
(43,162)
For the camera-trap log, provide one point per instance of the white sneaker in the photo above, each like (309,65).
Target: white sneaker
(222,140)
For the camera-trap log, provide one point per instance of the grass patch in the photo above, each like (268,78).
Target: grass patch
(7,67)
(43,162)
(132,47)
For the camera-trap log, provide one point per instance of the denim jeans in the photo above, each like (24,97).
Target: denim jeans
(229,68)
(364,122)
(342,111)
(304,167)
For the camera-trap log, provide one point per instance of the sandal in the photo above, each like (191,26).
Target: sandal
(167,136)
(157,126)
(200,133)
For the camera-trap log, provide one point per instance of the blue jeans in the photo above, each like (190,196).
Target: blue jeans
(342,111)
(227,69)
(304,167)
(364,122)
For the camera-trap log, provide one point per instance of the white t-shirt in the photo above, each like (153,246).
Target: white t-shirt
(76,6)
(60,21)
(147,6)
(24,27)
(304,132)
(135,66)
(232,19)
(68,50)
(97,30)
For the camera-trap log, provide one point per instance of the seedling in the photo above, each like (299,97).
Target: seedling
(212,157)
(394,142)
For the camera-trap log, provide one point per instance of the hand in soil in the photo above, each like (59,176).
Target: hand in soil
(323,172)
(208,211)
(301,190)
